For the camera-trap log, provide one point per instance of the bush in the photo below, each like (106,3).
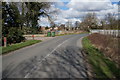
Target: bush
(15,36)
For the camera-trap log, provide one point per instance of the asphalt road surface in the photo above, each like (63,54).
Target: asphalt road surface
(59,57)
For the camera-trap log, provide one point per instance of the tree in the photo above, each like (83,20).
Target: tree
(90,21)
(11,14)
(16,15)
(0,23)
(77,25)
(11,23)
(69,25)
(111,21)
(36,9)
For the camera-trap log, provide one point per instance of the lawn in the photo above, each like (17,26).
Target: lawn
(18,46)
(101,65)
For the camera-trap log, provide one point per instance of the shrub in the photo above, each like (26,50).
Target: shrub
(15,36)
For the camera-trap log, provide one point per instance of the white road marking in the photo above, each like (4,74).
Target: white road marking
(26,76)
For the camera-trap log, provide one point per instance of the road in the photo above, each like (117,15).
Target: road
(59,57)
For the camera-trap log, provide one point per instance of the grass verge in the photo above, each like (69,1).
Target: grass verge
(101,65)
(18,46)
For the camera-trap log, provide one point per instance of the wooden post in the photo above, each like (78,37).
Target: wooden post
(5,41)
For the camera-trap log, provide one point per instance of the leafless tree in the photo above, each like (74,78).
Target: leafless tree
(89,21)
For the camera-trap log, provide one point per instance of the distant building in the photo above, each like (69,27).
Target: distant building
(61,27)
(42,28)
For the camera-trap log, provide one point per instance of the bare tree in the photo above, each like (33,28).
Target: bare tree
(110,22)
(90,21)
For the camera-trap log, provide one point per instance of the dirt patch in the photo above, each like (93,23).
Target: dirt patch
(108,45)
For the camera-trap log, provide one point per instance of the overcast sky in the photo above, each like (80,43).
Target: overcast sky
(74,10)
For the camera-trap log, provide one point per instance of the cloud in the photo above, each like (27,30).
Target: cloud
(77,9)
(94,0)
(59,4)
(61,21)
(88,5)
(43,21)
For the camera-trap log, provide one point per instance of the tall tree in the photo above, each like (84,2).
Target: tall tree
(110,21)
(36,9)
(90,21)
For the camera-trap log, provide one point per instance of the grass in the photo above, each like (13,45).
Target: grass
(18,46)
(101,65)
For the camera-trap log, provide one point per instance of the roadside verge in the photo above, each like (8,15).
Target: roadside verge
(102,67)
(18,46)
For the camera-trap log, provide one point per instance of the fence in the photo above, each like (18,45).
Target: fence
(115,33)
